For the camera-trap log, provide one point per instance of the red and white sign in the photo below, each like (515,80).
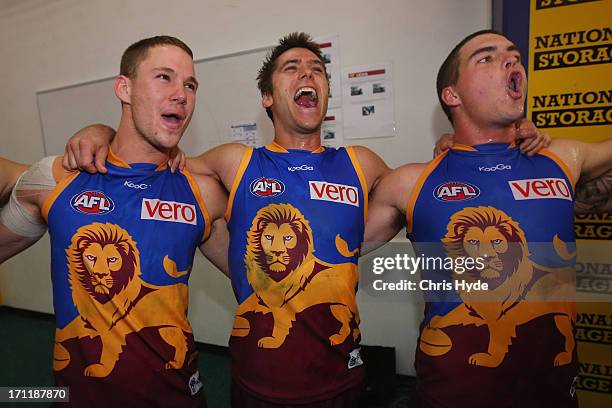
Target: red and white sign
(171,211)
(337,193)
(456,191)
(92,202)
(536,189)
(267,187)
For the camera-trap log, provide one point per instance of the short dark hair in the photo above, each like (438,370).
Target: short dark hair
(293,40)
(448,74)
(137,52)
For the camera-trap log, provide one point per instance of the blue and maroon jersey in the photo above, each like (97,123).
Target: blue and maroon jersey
(296,221)
(514,341)
(122,247)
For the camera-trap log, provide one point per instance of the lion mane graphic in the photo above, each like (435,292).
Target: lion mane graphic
(514,297)
(113,301)
(287,278)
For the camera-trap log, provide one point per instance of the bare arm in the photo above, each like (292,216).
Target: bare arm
(594,195)
(220,163)
(591,165)
(387,212)
(9,173)
(12,242)
(87,149)
(216,246)
(374,168)
(596,159)
(21,221)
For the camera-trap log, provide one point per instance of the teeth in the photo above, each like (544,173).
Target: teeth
(306,89)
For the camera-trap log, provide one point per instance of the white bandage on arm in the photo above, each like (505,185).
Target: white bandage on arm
(14,216)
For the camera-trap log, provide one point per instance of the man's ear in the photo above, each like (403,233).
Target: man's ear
(450,97)
(266,100)
(123,89)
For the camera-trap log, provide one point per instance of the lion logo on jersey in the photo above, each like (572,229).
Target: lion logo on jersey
(104,268)
(490,234)
(287,278)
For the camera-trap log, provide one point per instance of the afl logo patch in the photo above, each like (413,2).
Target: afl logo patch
(267,187)
(92,202)
(456,191)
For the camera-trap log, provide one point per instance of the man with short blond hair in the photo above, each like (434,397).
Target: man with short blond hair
(122,243)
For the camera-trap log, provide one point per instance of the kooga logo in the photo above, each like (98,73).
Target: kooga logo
(303,167)
(497,167)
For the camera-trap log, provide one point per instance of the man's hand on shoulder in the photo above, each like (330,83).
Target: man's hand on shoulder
(87,149)
(529,138)
(445,142)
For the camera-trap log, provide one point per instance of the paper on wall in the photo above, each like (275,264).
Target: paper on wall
(368,103)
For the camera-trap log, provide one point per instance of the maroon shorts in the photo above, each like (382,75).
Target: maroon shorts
(351,398)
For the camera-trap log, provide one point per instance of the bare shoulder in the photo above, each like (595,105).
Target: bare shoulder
(220,162)
(563,147)
(58,171)
(213,195)
(224,150)
(373,166)
(570,152)
(367,157)
(409,174)
(397,186)
(208,184)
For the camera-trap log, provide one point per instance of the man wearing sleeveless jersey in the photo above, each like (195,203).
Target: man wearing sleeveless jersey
(511,345)
(123,243)
(296,216)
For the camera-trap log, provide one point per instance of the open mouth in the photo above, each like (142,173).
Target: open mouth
(173,119)
(514,85)
(306,97)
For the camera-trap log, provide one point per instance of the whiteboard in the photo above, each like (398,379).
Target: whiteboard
(227,95)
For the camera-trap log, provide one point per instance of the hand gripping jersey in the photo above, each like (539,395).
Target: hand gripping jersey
(296,222)
(510,345)
(122,247)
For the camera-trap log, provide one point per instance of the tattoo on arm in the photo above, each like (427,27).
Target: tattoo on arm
(594,195)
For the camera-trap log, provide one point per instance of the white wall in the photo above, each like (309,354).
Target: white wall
(50,43)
